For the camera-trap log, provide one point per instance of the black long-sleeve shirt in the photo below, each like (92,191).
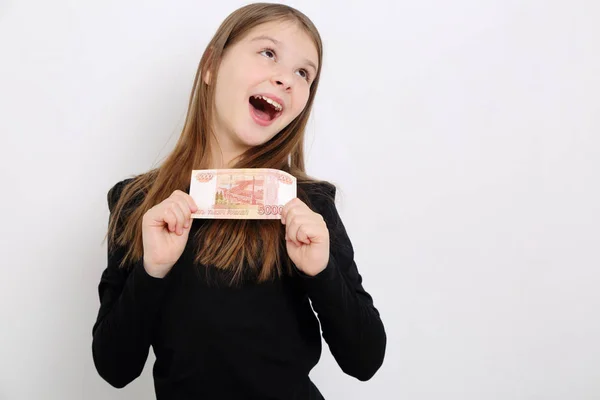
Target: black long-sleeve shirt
(255,341)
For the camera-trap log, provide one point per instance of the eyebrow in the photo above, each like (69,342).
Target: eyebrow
(278,43)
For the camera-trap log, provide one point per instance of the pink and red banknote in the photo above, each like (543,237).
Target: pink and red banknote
(257,193)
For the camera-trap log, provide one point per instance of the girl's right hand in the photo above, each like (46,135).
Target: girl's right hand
(165,231)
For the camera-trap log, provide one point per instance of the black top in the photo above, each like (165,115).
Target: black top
(256,341)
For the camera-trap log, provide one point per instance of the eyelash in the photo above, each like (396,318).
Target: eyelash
(307,74)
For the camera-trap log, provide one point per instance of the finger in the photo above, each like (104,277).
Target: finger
(294,209)
(170,218)
(191,203)
(175,207)
(293,228)
(184,205)
(301,235)
(295,202)
(183,216)
(311,230)
(188,200)
(290,229)
(290,237)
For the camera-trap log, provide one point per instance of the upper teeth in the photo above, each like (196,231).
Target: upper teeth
(275,104)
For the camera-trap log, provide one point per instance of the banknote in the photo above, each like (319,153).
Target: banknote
(254,193)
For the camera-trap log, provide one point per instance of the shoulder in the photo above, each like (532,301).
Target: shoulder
(128,188)
(115,192)
(320,197)
(317,193)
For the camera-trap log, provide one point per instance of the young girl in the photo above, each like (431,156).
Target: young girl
(226,304)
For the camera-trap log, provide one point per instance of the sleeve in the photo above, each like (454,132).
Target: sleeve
(351,324)
(129,306)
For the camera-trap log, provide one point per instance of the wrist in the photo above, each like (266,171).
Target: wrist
(155,270)
(311,273)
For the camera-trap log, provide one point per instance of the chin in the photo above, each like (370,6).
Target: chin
(250,138)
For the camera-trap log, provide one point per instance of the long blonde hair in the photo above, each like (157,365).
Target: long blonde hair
(225,244)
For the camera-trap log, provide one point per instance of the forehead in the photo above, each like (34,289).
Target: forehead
(290,37)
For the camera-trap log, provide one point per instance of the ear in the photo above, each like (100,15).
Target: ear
(206,77)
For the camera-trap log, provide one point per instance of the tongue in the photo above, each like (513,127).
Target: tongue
(262,114)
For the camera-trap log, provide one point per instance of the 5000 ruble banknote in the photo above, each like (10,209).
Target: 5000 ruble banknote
(257,193)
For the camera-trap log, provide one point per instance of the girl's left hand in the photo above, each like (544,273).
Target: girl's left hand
(306,237)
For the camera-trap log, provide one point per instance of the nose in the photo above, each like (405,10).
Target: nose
(283,81)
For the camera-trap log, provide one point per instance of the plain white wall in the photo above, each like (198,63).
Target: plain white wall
(463,137)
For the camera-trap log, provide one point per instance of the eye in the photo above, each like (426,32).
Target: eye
(306,75)
(265,51)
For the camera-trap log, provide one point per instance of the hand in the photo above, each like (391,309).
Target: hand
(165,231)
(306,237)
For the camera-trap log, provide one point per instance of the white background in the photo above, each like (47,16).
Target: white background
(464,139)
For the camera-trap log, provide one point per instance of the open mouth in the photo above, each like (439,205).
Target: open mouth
(265,110)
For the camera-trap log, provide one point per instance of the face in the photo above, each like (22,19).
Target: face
(262,85)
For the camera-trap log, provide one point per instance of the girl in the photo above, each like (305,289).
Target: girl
(226,304)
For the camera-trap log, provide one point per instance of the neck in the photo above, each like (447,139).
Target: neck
(224,154)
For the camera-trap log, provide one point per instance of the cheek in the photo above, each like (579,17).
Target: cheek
(300,102)
(224,85)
